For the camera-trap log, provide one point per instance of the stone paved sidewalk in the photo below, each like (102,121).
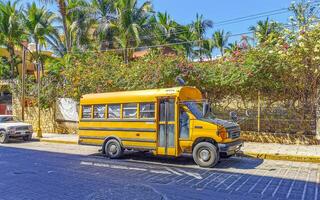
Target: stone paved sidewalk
(57,138)
(309,153)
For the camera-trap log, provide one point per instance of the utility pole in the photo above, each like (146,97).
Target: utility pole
(259,110)
(39,131)
(318,114)
(23,72)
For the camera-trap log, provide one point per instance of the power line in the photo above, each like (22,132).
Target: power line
(253,15)
(180,43)
(249,19)
(230,21)
(162,45)
(221,23)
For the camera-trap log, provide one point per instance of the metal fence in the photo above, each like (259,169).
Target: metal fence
(274,118)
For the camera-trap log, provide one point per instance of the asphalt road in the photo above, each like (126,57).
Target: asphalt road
(29,171)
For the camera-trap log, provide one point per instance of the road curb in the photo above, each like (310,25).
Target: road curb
(299,158)
(54,141)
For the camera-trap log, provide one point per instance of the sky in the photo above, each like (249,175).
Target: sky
(184,11)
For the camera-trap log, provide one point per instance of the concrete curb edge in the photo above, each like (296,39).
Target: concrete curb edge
(269,156)
(54,141)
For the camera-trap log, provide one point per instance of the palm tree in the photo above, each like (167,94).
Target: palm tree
(39,26)
(130,22)
(166,28)
(187,36)
(232,47)
(220,40)
(80,22)
(200,27)
(304,13)
(62,5)
(207,48)
(265,30)
(104,13)
(11,32)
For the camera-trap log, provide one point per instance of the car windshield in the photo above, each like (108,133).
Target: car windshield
(5,119)
(196,108)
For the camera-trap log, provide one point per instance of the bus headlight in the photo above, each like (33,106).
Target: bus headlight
(222,132)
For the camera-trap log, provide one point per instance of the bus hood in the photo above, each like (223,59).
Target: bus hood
(224,123)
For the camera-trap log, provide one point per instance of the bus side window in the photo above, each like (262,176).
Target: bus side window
(147,110)
(184,124)
(114,111)
(99,111)
(86,112)
(129,110)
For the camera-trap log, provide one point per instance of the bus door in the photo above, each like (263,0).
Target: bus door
(166,127)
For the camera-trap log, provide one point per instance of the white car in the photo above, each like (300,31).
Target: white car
(10,127)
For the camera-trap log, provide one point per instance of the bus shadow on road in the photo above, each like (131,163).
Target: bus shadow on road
(186,160)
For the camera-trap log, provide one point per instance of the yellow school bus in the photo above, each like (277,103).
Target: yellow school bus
(168,122)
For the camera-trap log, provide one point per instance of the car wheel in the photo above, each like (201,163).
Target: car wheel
(113,149)
(3,137)
(27,138)
(205,154)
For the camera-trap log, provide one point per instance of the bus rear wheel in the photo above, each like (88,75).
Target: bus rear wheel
(113,149)
(205,154)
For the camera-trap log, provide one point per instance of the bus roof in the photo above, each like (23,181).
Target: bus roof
(184,93)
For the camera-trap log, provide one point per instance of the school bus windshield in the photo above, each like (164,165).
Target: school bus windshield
(196,109)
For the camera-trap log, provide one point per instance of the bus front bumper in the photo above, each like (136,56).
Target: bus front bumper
(230,148)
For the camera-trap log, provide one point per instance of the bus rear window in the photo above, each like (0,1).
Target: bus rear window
(147,110)
(86,112)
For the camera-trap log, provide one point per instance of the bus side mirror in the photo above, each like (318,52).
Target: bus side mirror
(206,109)
(233,116)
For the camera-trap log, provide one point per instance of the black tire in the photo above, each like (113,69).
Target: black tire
(205,154)
(27,138)
(113,149)
(4,138)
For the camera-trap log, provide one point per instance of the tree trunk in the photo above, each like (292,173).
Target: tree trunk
(222,51)
(126,60)
(62,10)
(318,114)
(12,61)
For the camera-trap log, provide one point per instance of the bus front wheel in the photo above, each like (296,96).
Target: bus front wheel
(113,149)
(205,154)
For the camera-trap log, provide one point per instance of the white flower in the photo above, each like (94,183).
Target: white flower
(300,37)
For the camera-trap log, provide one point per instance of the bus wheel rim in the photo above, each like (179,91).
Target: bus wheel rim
(204,155)
(113,149)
